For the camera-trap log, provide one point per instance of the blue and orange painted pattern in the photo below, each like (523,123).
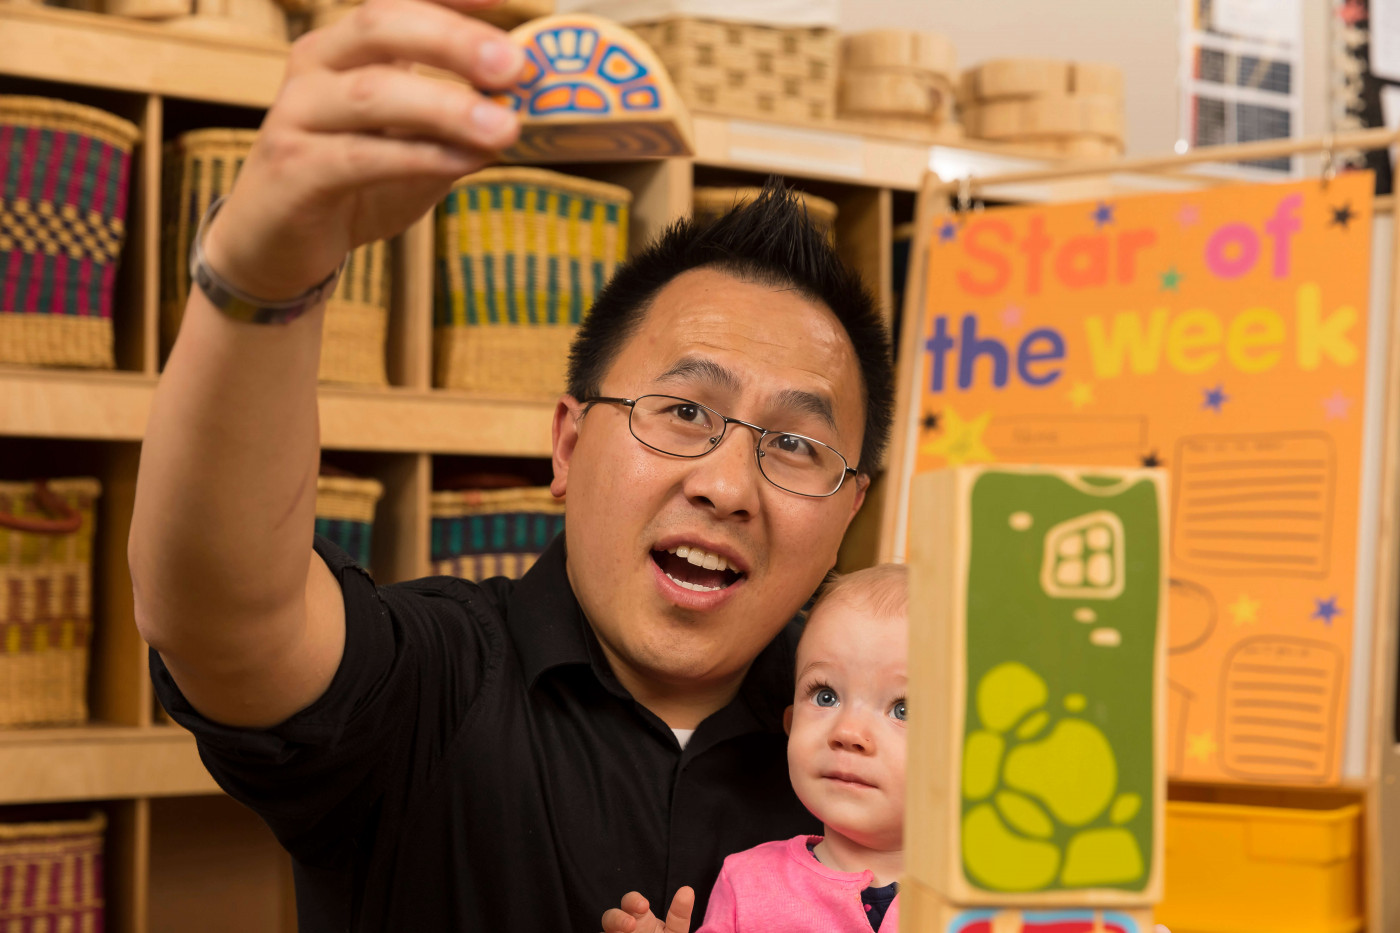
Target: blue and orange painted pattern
(573,71)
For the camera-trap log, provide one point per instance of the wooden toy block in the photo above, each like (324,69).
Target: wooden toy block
(921,910)
(1049,115)
(1036,774)
(900,48)
(887,92)
(593,91)
(1034,77)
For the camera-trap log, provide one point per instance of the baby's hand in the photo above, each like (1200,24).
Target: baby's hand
(635,916)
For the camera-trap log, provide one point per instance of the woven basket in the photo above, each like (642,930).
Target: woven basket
(481,533)
(64,174)
(51,876)
(46,532)
(201,166)
(521,254)
(345,513)
(710,203)
(749,69)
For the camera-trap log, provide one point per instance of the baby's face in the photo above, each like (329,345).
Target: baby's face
(847,737)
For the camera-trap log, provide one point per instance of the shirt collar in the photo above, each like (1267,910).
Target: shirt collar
(549,629)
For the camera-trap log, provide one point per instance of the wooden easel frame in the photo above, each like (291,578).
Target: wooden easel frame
(1381,781)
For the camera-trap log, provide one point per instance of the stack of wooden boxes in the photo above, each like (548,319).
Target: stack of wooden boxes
(900,79)
(1036,776)
(765,59)
(1060,108)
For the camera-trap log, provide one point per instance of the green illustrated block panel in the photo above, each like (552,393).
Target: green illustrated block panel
(1048,615)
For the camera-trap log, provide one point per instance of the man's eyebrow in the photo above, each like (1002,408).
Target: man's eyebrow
(695,367)
(699,368)
(808,402)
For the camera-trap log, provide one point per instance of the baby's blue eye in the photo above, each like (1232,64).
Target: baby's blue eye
(825,696)
(899,711)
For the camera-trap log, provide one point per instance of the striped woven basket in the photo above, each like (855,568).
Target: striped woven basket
(46,536)
(521,254)
(64,175)
(481,533)
(201,166)
(51,876)
(345,513)
(710,203)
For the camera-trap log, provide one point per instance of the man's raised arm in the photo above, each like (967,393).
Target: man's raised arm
(356,147)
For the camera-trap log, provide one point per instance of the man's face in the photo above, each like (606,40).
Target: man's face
(847,734)
(763,355)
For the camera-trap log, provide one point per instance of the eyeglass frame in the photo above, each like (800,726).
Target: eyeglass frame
(631,404)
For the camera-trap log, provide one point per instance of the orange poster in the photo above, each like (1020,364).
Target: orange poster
(1221,335)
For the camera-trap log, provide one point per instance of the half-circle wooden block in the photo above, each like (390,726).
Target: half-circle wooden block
(593,91)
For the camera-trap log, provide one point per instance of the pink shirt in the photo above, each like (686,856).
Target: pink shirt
(779,887)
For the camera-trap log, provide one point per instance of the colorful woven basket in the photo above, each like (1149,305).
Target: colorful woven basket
(51,876)
(64,173)
(345,513)
(521,254)
(46,536)
(201,166)
(710,203)
(481,533)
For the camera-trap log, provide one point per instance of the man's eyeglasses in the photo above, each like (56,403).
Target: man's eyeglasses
(682,428)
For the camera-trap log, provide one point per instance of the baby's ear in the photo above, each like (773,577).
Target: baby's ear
(787,721)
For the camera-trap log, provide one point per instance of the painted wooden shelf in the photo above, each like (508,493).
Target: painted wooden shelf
(99,763)
(114,406)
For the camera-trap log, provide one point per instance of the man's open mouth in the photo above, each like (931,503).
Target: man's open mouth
(696,569)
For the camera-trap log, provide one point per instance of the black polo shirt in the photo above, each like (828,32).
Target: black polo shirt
(475,765)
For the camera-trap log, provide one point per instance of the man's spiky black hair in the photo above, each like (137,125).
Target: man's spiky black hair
(767,241)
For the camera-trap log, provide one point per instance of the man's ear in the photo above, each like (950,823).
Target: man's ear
(787,721)
(564,432)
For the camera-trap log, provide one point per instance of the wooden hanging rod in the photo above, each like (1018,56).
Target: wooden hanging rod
(1379,138)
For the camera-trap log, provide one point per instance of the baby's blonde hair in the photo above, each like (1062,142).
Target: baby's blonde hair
(884,589)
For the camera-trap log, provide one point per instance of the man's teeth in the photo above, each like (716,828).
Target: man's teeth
(702,558)
(697,587)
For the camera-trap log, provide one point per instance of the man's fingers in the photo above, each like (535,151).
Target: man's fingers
(421,31)
(382,98)
(344,161)
(678,917)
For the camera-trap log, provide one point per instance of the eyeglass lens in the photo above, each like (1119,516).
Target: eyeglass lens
(684,428)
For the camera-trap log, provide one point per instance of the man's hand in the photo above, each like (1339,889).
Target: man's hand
(357,145)
(635,916)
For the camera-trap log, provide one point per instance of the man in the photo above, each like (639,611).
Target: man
(440,755)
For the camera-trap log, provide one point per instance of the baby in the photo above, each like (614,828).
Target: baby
(846,743)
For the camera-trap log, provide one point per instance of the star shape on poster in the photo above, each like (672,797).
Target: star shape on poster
(1081,394)
(1336,405)
(1244,610)
(947,231)
(1352,12)
(961,441)
(1151,459)
(1171,279)
(1103,214)
(1200,746)
(1326,610)
(930,421)
(1189,215)
(1343,216)
(1215,398)
(1011,316)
